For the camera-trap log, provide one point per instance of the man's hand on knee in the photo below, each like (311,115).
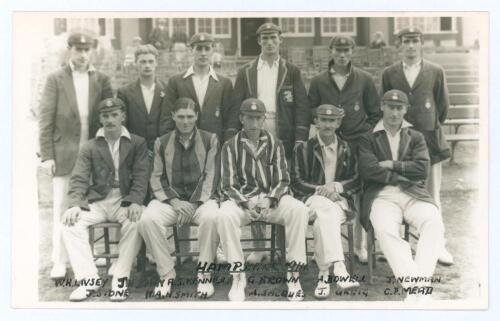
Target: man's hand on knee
(71,216)
(134,212)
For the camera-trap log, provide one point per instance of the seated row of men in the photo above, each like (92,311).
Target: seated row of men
(221,189)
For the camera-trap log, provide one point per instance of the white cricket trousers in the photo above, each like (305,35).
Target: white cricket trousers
(391,207)
(327,230)
(290,213)
(60,186)
(76,238)
(153,228)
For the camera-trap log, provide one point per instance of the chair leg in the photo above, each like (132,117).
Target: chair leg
(371,257)
(92,239)
(282,243)
(107,248)
(273,242)
(177,246)
(350,242)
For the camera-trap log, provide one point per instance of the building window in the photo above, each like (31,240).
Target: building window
(175,24)
(427,24)
(218,27)
(102,27)
(297,27)
(337,26)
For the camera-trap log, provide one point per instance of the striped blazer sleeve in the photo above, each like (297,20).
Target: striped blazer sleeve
(300,171)
(280,179)
(210,176)
(229,174)
(159,181)
(351,185)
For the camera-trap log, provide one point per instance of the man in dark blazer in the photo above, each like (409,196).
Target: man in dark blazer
(143,98)
(394,163)
(325,176)
(425,84)
(68,118)
(210,91)
(352,89)
(108,183)
(279,85)
(212,94)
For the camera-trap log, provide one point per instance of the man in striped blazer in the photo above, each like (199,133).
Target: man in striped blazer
(324,175)
(255,184)
(184,181)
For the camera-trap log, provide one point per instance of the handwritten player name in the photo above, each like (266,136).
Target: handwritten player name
(247,267)
(413,279)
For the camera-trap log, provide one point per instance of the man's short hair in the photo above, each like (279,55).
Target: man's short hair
(184,103)
(144,50)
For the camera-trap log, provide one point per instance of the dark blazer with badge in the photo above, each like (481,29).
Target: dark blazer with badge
(359,99)
(94,172)
(429,103)
(214,113)
(308,170)
(410,170)
(60,126)
(138,120)
(293,115)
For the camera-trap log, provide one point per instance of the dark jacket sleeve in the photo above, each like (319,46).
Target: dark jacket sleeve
(369,168)
(302,110)
(299,171)
(280,179)
(230,112)
(417,167)
(123,97)
(441,96)
(239,95)
(107,90)
(80,179)
(385,86)
(166,122)
(314,97)
(371,102)
(48,118)
(140,172)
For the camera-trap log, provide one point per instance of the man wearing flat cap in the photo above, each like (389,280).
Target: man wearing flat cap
(255,185)
(278,84)
(324,176)
(353,90)
(68,118)
(211,93)
(394,164)
(425,84)
(108,184)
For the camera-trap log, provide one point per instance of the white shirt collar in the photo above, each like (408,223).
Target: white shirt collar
(415,65)
(322,143)
(124,133)
(380,125)
(152,88)
(211,72)
(90,69)
(261,62)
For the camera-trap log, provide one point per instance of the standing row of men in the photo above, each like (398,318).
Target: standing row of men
(69,117)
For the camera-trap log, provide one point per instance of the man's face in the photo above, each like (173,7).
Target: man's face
(412,47)
(252,124)
(146,64)
(202,54)
(269,43)
(80,56)
(327,126)
(393,114)
(185,120)
(342,56)
(112,120)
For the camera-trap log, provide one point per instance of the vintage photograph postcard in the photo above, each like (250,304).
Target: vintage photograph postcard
(263,160)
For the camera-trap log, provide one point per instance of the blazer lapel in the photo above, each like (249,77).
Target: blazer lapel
(103,148)
(421,75)
(383,144)
(212,85)
(139,98)
(319,155)
(69,89)
(251,73)
(190,87)
(157,98)
(169,156)
(282,72)
(400,72)
(125,147)
(200,151)
(339,170)
(404,143)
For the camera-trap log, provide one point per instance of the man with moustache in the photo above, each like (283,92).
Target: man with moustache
(278,84)
(352,89)
(108,184)
(68,118)
(394,163)
(424,83)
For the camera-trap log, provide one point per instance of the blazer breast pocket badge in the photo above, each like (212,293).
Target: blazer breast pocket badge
(287,96)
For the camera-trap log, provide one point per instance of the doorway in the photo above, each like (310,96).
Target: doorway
(249,45)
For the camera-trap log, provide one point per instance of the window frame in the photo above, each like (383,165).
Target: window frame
(296,33)
(215,35)
(338,32)
(454,29)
